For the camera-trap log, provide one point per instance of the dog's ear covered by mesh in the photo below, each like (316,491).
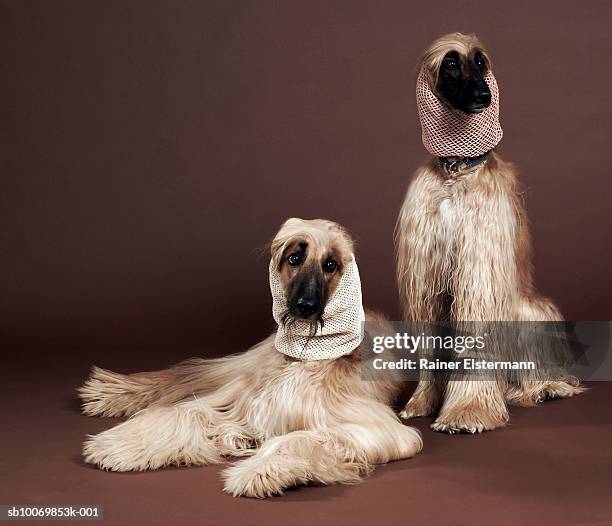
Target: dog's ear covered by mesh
(343,317)
(449,132)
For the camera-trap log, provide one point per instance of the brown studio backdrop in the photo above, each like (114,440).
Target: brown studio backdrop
(150,149)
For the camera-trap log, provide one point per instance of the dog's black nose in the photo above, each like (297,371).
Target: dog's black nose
(482,94)
(482,97)
(306,306)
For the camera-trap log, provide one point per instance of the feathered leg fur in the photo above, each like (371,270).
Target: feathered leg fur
(339,455)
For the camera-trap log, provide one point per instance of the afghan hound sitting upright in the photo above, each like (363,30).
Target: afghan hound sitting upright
(295,404)
(462,239)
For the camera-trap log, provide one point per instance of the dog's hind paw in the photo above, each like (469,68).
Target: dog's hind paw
(533,393)
(154,438)
(409,412)
(418,406)
(563,388)
(423,402)
(109,452)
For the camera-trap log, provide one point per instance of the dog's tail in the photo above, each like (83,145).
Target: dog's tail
(111,394)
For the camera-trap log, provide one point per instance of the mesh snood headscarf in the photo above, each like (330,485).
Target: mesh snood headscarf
(453,133)
(343,319)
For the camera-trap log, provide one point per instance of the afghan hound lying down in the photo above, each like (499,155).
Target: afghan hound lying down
(296,418)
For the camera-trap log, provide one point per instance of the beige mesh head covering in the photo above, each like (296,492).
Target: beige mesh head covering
(343,319)
(453,133)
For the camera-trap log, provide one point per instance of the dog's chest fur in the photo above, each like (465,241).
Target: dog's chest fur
(466,219)
(296,396)
(446,217)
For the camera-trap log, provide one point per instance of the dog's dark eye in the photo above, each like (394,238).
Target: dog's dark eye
(294,259)
(450,63)
(479,61)
(330,265)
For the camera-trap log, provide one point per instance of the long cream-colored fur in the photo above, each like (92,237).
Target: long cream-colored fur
(296,422)
(464,254)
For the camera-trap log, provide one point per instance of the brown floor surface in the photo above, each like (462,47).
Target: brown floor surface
(551,465)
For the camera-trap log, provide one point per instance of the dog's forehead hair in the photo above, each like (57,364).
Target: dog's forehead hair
(316,238)
(315,250)
(467,63)
(466,46)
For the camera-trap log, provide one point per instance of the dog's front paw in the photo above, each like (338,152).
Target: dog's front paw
(242,481)
(262,477)
(468,421)
(235,444)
